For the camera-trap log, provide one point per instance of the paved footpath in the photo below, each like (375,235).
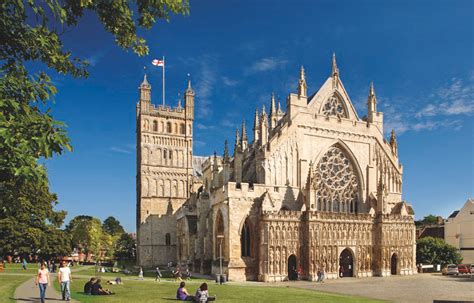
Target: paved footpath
(29,292)
(419,288)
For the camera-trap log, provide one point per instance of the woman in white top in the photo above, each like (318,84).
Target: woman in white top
(42,280)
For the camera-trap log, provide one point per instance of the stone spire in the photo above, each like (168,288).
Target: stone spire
(371,104)
(244,136)
(237,141)
(189,90)
(145,83)
(335,70)
(145,90)
(302,87)
(263,127)
(226,152)
(273,113)
(255,126)
(272,106)
(393,143)
(279,111)
(189,101)
(215,164)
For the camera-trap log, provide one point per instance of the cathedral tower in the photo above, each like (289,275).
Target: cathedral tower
(164,172)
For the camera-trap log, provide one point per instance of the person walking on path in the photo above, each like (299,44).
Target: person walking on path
(42,280)
(24,264)
(65,278)
(158,274)
(140,274)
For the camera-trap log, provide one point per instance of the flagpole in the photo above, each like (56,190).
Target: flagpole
(163,80)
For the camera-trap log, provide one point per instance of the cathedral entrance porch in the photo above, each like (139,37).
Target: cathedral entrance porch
(292,268)
(346,264)
(394,265)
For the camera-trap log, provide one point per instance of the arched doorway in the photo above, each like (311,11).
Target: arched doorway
(346,264)
(394,264)
(292,269)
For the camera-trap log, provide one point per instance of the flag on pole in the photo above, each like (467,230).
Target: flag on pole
(158,62)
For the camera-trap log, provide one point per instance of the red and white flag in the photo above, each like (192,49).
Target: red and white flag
(158,62)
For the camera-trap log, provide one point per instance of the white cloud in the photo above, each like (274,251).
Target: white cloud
(205,85)
(434,112)
(121,150)
(229,82)
(266,64)
(455,98)
(95,58)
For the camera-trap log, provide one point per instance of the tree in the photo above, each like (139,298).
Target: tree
(30,32)
(435,251)
(427,220)
(86,234)
(28,220)
(112,226)
(126,248)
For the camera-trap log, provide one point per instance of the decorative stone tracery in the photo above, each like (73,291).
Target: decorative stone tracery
(334,107)
(336,183)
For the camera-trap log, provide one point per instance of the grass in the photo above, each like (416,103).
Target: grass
(8,284)
(150,291)
(15,268)
(166,274)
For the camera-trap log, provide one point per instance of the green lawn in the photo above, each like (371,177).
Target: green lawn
(31,268)
(8,284)
(150,291)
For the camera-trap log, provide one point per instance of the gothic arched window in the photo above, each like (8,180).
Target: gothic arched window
(245,240)
(169,127)
(155,126)
(334,107)
(336,182)
(168,239)
(182,129)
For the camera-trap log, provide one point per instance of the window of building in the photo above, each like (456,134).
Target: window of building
(182,129)
(245,240)
(170,154)
(336,185)
(168,239)
(334,107)
(165,156)
(155,126)
(169,127)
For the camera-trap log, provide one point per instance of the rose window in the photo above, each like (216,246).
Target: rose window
(334,107)
(336,183)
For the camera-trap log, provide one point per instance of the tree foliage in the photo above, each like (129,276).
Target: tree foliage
(30,31)
(28,222)
(126,248)
(112,226)
(427,220)
(431,250)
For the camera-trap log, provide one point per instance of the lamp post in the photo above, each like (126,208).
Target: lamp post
(220,238)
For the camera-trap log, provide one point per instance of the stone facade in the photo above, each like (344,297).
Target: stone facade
(316,188)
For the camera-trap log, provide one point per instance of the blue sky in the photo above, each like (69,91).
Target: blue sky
(418,53)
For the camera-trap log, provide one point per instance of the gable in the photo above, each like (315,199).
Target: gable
(332,100)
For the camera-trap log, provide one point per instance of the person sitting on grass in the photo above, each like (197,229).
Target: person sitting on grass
(202,294)
(182,294)
(97,289)
(88,286)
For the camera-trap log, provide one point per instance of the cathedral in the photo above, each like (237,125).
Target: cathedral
(315,187)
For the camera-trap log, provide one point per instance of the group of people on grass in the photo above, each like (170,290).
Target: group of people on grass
(64,278)
(202,294)
(94,288)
